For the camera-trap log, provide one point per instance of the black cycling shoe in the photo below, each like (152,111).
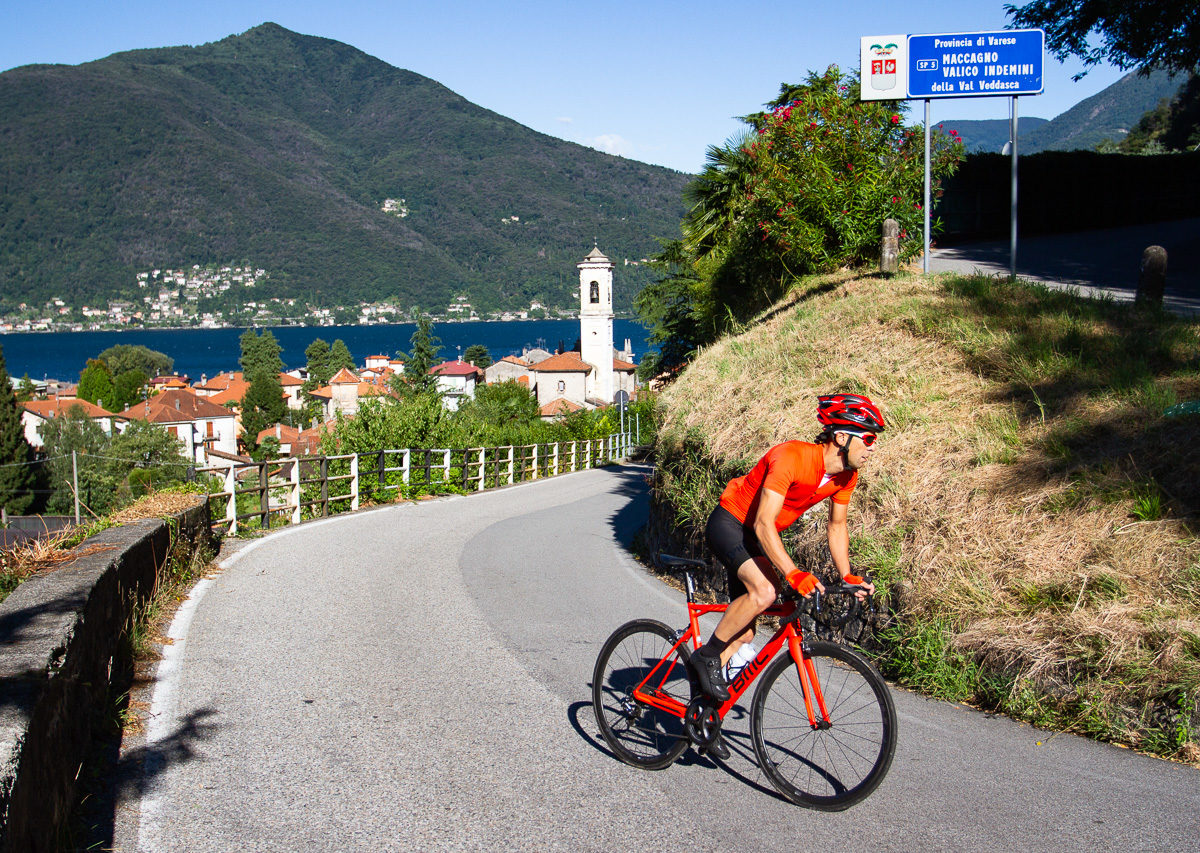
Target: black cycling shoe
(711,676)
(719,750)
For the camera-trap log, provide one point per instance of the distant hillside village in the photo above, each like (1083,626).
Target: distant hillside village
(215,297)
(205,414)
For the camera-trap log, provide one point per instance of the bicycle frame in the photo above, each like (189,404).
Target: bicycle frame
(650,691)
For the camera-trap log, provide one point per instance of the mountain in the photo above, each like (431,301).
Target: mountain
(1108,114)
(281,150)
(991,135)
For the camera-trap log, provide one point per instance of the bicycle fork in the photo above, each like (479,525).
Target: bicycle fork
(810,686)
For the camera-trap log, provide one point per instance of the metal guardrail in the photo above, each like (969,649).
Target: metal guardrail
(279,492)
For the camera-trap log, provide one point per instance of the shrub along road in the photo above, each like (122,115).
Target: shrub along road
(418,676)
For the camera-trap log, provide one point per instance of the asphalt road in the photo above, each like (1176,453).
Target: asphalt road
(418,677)
(1095,262)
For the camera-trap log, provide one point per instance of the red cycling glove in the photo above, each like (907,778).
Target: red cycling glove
(852,579)
(801,581)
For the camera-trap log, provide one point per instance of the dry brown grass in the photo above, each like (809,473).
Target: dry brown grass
(1028,544)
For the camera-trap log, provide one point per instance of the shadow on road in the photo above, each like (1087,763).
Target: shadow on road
(741,752)
(129,777)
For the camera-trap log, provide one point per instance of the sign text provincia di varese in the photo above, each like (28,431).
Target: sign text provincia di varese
(953,65)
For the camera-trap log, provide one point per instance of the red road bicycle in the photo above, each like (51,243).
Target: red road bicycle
(822,720)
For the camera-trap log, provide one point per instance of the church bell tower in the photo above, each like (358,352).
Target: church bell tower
(596,322)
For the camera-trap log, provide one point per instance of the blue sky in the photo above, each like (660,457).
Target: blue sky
(653,80)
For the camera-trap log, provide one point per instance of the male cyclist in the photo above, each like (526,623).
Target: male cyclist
(744,530)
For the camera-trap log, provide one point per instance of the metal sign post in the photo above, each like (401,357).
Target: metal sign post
(1012,239)
(928,182)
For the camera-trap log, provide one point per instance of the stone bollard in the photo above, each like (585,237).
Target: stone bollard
(1153,278)
(889,256)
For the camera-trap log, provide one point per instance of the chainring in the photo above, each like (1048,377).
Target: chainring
(701,722)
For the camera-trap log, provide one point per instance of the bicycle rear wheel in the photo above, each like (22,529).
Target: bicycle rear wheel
(639,734)
(825,768)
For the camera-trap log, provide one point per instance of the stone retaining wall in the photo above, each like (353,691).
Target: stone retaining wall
(62,636)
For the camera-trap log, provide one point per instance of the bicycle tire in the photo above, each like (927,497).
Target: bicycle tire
(828,769)
(638,734)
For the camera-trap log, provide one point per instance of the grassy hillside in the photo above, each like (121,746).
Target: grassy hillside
(1031,512)
(279,149)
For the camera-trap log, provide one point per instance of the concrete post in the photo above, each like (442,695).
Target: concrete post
(889,255)
(1153,278)
(354,482)
(296,498)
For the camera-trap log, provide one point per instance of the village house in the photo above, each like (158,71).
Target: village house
(456,381)
(198,423)
(563,377)
(34,413)
(345,390)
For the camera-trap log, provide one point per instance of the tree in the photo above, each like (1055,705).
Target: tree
(1141,34)
(501,404)
(478,355)
(17,478)
(26,389)
(144,458)
(805,191)
(74,431)
(319,374)
(424,355)
(339,357)
(262,404)
(128,388)
(1174,125)
(260,353)
(96,384)
(121,358)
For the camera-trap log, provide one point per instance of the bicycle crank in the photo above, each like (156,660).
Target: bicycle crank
(701,722)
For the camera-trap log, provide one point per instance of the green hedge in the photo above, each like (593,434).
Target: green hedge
(1067,191)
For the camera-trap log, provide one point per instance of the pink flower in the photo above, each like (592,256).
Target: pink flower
(895,119)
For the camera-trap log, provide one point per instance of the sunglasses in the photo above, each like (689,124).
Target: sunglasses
(868,438)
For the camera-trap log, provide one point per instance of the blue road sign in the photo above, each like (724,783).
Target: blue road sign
(964,65)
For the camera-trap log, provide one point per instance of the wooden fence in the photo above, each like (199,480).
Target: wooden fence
(260,495)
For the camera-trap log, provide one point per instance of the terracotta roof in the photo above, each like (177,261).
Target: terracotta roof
(623,365)
(233,393)
(522,380)
(512,359)
(455,368)
(54,408)
(561,406)
(286,380)
(176,406)
(286,434)
(343,377)
(567,362)
(221,381)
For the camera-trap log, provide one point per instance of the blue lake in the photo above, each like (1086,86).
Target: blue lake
(63,355)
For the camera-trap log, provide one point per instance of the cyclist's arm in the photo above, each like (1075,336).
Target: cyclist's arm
(838,532)
(839,537)
(770,504)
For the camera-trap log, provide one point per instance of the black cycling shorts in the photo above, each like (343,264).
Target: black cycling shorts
(734,543)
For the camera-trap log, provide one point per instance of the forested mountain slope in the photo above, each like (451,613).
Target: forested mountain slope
(279,149)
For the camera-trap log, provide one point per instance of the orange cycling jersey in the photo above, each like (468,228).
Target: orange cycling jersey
(795,470)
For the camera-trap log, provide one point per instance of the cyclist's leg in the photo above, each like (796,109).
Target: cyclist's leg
(750,580)
(737,624)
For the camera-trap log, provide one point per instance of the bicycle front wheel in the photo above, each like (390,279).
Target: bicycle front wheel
(639,734)
(829,768)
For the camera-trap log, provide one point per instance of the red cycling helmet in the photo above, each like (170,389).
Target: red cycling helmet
(850,410)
